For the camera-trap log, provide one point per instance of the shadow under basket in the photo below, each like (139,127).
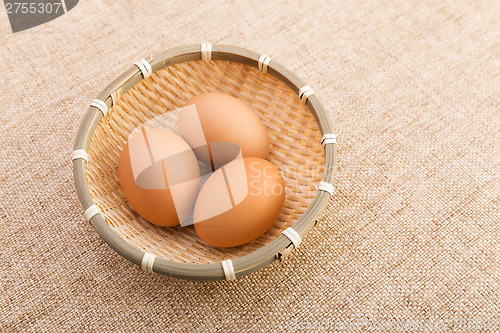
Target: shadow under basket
(302,147)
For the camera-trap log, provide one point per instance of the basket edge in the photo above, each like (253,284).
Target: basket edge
(213,271)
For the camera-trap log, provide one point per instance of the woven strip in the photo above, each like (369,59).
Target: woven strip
(227,267)
(206,51)
(328,138)
(326,187)
(263,63)
(100,105)
(80,154)
(115,96)
(147,262)
(145,68)
(293,236)
(304,93)
(91,212)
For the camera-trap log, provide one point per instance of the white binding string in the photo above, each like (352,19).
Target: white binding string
(145,68)
(91,212)
(80,153)
(263,62)
(304,93)
(206,51)
(328,138)
(326,187)
(227,267)
(148,260)
(293,236)
(97,103)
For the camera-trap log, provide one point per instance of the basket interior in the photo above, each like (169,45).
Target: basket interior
(295,150)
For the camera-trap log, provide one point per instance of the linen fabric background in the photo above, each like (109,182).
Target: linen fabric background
(411,234)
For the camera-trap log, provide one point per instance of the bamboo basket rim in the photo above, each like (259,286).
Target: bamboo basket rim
(276,249)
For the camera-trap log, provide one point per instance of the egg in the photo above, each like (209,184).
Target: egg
(220,127)
(239,202)
(159,176)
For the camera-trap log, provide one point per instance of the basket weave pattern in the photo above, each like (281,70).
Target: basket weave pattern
(292,129)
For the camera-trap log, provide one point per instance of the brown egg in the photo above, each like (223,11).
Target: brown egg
(239,202)
(159,176)
(220,127)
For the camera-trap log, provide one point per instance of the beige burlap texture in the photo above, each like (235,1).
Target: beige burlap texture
(410,236)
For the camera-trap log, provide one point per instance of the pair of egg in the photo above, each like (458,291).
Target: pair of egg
(160,176)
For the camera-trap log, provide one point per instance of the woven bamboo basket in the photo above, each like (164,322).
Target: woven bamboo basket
(302,147)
